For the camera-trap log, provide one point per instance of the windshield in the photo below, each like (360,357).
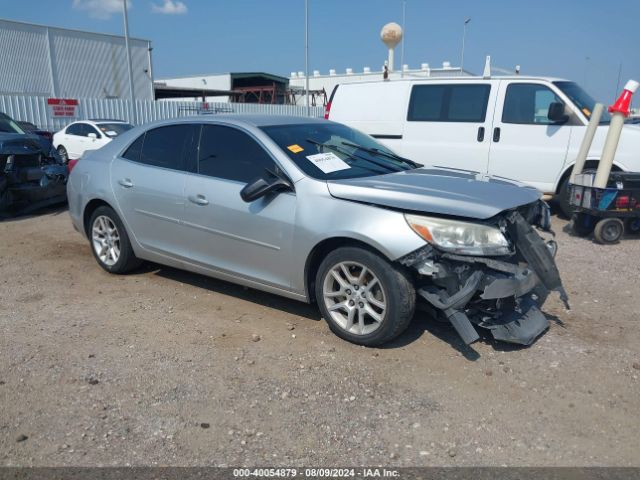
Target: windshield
(8,125)
(582,100)
(114,129)
(332,151)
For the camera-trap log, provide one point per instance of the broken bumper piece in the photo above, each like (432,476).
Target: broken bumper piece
(502,303)
(502,295)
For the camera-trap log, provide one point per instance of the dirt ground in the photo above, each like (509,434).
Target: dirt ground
(161,367)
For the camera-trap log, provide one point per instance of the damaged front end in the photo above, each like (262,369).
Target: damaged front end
(495,275)
(32,174)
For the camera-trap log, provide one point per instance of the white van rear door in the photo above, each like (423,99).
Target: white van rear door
(526,145)
(448,123)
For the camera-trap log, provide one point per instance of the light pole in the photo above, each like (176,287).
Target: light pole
(404,33)
(126,43)
(464,36)
(306,54)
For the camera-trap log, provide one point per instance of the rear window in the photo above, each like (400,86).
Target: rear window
(449,103)
(114,129)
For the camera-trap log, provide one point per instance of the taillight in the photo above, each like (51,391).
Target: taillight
(327,110)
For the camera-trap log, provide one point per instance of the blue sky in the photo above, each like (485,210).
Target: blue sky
(214,36)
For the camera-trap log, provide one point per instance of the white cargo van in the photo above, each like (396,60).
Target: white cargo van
(523,128)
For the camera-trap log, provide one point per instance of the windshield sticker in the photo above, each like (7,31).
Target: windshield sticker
(295,148)
(328,162)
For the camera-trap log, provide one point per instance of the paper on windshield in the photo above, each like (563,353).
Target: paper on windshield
(328,162)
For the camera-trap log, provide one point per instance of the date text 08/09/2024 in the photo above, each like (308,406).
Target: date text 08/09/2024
(315,472)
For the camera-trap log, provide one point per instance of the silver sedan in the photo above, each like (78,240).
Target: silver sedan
(318,212)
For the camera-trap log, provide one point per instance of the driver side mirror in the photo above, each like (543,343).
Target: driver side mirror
(556,113)
(261,186)
(92,136)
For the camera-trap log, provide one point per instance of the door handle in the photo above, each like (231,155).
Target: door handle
(125,182)
(496,134)
(198,199)
(481,134)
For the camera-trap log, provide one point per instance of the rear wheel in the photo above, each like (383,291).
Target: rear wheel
(63,153)
(110,243)
(608,230)
(364,298)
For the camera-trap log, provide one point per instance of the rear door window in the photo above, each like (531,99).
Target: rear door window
(231,154)
(528,104)
(449,103)
(75,129)
(165,146)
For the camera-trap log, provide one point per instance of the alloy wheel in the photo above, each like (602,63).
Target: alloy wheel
(354,297)
(106,240)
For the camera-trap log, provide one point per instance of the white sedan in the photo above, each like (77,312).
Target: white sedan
(78,137)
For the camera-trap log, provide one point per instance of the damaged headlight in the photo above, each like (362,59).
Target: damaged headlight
(460,237)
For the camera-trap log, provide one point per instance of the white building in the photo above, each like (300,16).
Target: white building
(57,62)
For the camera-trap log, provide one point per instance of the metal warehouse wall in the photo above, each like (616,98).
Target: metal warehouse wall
(35,110)
(55,62)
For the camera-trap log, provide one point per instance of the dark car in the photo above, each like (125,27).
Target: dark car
(32,174)
(29,127)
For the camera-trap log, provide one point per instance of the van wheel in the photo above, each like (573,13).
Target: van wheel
(364,298)
(562,199)
(110,243)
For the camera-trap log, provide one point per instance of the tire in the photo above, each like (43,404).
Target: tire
(582,224)
(608,230)
(63,153)
(562,199)
(632,226)
(118,257)
(371,312)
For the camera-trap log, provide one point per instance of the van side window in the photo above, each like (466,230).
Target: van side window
(528,103)
(449,103)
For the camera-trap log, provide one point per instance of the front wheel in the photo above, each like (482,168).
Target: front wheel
(110,243)
(364,298)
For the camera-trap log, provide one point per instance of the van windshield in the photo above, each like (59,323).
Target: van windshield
(330,151)
(582,100)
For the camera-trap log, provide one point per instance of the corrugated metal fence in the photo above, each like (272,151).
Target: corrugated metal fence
(35,110)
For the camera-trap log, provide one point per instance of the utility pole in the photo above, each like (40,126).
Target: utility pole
(306,54)
(126,42)
(618,83)
(464,36)
(404,34)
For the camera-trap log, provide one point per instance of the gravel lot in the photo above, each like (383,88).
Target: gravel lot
(162,367)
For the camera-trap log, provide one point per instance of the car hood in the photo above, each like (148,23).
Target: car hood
(439,191)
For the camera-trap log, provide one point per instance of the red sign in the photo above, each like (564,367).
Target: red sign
(62,107)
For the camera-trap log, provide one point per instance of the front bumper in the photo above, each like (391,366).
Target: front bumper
(502,295)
